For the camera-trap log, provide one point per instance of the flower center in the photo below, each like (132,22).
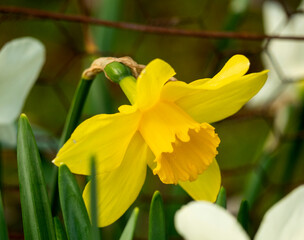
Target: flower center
(183,148)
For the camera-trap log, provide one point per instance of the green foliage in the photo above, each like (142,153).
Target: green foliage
(71,123)
(243,215)
(59,230)
(222,198)
(71,47)
(76,219)
(157,227)
(128,232)
(74,114)
(3,229)
(94,210)
(36,211)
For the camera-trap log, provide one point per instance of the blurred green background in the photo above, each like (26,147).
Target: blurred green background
(71,47)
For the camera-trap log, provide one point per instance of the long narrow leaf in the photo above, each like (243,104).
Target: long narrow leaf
(221,198)
(157,227)
(95,230)
(243,215)
(71,123)
(3,229)
(76,219)
(128,232)
(59,230)
(36,211)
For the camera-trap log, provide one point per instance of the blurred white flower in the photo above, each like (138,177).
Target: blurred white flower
(204,220)
(284,58)
(20,63)
(208,221)
(285,219)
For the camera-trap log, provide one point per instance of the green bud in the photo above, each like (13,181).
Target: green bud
(117,71)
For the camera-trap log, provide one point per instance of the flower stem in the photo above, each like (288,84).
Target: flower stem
(75,110)
(128,86)
(70,125)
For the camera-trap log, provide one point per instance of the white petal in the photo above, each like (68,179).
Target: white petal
(20,63)
(204,220)
(274,16)
(284,220)
(272,88)
(288,55)
(286,58)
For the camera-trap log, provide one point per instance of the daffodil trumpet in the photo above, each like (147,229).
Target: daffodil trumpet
(167,127)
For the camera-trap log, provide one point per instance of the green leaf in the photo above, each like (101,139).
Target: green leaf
(59,230)
(36,211)
(157,227)
(128,232)
(243,215)
(76,219)
(221,198)
(3,229)
(106,38)
(94,210)
(71,123)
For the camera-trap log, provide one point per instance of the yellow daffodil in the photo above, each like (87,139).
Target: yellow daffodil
(166,127)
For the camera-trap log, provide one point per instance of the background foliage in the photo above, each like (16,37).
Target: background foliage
(71,47)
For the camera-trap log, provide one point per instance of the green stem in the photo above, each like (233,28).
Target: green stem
(258,179)
(128,85)
(75,110)
(71,123)
(295,150)
(94,210)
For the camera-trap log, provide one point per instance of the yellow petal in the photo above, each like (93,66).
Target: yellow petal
(188,159)
(207,186)
(104,136)
(151,81)
(182,147)
(162,123)
(118,189)
(212,101)
(236,67)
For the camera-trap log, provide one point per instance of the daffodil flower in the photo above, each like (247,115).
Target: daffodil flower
(166,127)
(204,220)
(20,63)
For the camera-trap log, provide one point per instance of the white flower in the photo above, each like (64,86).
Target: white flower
(285,220)
(204,220)
(284,58)
(20,63)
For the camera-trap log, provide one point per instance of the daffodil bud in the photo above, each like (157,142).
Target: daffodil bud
(121,74)
(117,71)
